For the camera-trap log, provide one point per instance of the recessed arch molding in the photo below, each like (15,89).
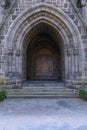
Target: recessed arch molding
(55,25)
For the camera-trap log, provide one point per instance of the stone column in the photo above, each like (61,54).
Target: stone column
(69,63)
(18,67)
(17,55)
(18,60)
(76,62)
(85,64)
(73,65)
(1,63)
(24,64)
(10,60)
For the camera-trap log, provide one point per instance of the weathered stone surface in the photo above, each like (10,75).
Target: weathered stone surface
(30,25)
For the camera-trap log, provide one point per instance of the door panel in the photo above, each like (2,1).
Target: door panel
(44,67)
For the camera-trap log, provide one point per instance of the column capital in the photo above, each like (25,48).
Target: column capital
(69,52)
(18,53)
(2,3)
(10,51)
(76,51)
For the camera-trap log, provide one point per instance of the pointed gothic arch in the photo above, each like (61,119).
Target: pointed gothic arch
(60,28)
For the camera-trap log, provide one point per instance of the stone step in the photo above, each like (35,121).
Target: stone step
(27,93)
(37,90)
(43,84)
(60,91)
(43,81)
(47,95)
(43,96)
(49,90)
(43,88)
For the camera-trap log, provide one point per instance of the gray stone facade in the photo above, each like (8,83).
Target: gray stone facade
(26,20)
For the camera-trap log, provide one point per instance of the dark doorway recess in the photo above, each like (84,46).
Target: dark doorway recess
(43,59)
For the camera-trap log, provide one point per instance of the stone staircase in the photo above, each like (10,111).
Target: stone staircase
(43,89)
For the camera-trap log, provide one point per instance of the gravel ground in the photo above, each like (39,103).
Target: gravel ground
(43,114)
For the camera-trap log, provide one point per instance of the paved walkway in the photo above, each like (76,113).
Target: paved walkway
(43,114)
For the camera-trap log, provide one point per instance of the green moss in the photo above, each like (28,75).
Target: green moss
(2,81)
(3,95)
(83,93)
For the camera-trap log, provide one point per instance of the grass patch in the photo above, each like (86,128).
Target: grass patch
(83,94)
(3,95)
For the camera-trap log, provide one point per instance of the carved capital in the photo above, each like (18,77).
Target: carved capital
(76,51)
(85,49)
(0,52)
(69,52)
(17,53)
(2,4)
(10,52)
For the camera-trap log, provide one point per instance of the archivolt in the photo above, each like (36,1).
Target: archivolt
(43,13)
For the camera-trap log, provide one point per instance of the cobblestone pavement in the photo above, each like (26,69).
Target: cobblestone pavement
(43,114)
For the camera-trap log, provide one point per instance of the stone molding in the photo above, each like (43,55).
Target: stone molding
(57,19)
(53,13)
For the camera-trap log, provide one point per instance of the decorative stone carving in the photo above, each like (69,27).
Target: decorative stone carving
(76,51)
(10,52)
(69,52)
(85,49)
(17,53)
(13,75)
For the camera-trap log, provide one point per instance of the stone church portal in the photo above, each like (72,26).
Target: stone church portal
(43,43)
